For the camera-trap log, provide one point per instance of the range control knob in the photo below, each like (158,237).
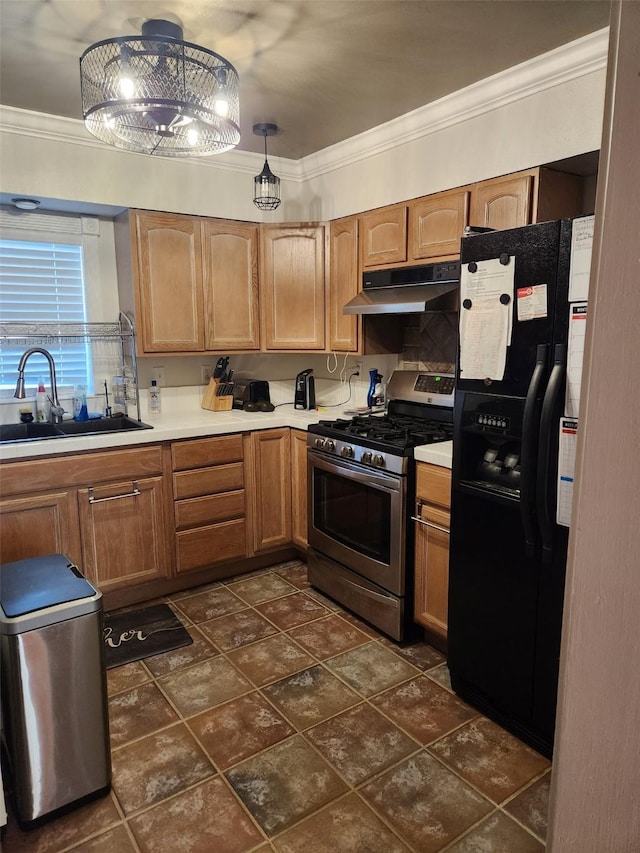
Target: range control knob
(330,445)
(347,451)
(319,442)
(378,461)
(366,457)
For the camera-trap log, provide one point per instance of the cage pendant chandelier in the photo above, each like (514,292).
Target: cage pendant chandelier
(157,94)
(266,185)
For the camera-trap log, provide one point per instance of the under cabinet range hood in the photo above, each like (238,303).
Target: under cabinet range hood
(408,290)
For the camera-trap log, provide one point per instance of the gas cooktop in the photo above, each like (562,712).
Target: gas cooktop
(393,433)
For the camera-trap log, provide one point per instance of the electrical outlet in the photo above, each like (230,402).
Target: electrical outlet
(206,372)
(356,368)
(157,373)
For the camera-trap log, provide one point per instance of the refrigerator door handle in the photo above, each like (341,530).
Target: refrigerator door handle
(547,467)
(529,449)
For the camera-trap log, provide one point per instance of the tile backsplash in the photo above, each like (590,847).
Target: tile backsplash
(430,342)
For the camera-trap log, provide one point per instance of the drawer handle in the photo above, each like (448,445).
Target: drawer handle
(132,494)
(430,524)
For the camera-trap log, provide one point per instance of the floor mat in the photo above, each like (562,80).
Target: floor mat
(137,634)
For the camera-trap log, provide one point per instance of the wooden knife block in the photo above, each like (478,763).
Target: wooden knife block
(212,401)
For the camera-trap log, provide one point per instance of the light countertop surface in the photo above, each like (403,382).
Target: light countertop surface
(437,454)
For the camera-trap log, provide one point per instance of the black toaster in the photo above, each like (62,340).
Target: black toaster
(249,391)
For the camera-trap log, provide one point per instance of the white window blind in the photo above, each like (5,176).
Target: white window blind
(43,282)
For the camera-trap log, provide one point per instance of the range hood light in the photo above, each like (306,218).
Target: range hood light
(26,203)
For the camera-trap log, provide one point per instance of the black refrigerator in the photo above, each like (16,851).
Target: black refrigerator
(508,554)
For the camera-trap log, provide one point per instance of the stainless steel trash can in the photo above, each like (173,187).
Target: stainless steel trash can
(54,695)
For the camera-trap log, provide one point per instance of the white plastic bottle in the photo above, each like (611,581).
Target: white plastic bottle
(154,398)
(42,403)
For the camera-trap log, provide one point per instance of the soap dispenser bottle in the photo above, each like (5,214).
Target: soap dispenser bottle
(374,381)
(154,398)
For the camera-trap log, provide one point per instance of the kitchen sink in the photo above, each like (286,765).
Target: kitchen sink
(100,425)
(28,432)
(94,426)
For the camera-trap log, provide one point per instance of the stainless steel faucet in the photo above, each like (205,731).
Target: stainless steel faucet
(56,412)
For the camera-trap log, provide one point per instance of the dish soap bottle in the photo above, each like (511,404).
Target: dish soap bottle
(80,412)
(375,395)
(42,415)
(154,398)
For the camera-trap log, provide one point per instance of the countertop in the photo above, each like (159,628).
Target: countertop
(437,454)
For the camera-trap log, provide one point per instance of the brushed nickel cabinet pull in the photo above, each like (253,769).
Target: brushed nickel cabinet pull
(430,524)
(135,491)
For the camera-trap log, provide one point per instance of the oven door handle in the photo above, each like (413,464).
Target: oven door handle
(373,477)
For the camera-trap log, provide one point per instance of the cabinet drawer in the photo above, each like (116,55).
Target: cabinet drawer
(433,484)
(209,509)
(212,544)
(434,515)
(206,451)
(208,481)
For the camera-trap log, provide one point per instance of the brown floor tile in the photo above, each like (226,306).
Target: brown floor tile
(240,728)
(424,709)
(441,675)
(270,659)
(348,826)
(205,819)
(426,804)
(292,610)
(201,649)
(531,807)
(138,712)
(157,767)
(328,637)
(262,588)
(284,784)
(371,668)
(238,629)
(294,572)
(125,677)
(496,762)
(310,696)
(204,685)
(208,605)
(62,832)
(360,743)
(324,600)
(369,630)
(497,832)
(420,654)
(116,840)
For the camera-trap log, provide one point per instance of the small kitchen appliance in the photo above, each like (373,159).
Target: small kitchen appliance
(249,391)
(361,475)
(305,390)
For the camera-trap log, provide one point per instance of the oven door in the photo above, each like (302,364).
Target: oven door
(357,516)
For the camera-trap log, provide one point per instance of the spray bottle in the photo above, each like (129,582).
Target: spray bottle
(42,414)
(375,395)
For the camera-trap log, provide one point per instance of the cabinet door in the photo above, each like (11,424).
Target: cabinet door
(383,236)
(432,572)
(169,282)
(299,497)
(271,489)
(436,224)
(503,203)
(343,284)
(125,536)
(292,292)
(230,280)
(38,525)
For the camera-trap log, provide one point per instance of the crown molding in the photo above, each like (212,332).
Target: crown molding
(557,67)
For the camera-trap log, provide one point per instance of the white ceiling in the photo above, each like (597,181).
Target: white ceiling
(322,70)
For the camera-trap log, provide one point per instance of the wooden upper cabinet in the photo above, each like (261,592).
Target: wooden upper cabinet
(292,287)
(167,261)
(343,284)
(383,236)
(502,203)
(436,224)
(230,279)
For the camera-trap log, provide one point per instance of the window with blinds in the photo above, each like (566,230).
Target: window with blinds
(43,282)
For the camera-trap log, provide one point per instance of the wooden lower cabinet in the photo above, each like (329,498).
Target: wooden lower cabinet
(38,525)
(84,506)
(209,501)
(299,497)
(124,532)
(433,505)
(271,488)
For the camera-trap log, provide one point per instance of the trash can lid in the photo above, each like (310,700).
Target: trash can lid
(39,583)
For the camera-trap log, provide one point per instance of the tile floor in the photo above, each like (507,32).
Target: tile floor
(288,725)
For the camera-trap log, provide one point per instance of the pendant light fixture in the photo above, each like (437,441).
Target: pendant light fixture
(157,94)
(266,193)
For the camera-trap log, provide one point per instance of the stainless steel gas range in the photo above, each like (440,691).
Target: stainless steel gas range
(361,492)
